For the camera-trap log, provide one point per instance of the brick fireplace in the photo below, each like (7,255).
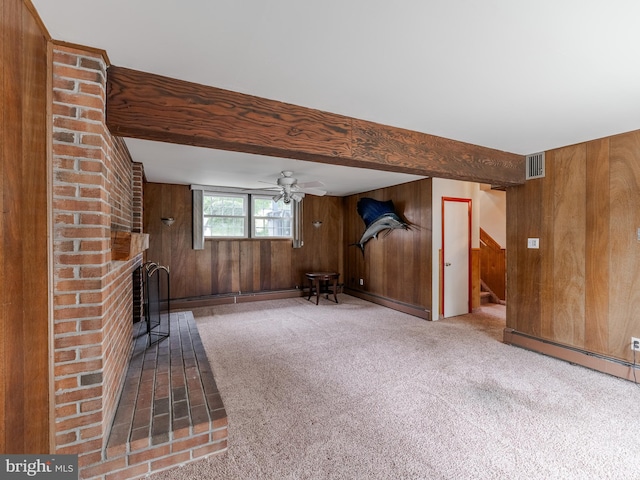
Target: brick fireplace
(96,190)
(92,195)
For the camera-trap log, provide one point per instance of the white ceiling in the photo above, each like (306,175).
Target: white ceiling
(514,75)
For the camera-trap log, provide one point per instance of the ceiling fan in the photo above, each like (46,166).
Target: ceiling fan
(290,189)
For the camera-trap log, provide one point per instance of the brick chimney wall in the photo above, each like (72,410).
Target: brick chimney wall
(96,188)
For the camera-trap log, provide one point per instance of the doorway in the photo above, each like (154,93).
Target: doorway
(456,256)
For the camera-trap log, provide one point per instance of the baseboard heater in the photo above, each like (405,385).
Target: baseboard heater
(594,361)
(414,310)
(229,298)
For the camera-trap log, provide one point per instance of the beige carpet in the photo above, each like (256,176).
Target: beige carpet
(358,391)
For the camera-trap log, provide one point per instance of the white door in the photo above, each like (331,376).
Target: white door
(456,255)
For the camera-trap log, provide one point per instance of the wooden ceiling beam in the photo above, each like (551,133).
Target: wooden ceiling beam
(151,107)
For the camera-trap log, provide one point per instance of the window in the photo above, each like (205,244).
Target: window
(270,219)
(228,215)
(225,215)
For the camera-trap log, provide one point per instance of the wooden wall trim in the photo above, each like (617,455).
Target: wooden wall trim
(98,51)
(50,256)
(583,358)
(152,107)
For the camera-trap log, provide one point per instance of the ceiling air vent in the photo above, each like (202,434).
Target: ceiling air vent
(535,165)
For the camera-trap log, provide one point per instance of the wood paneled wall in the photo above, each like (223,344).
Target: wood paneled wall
(233,266)
(397,266)
(24,311)
(582,287)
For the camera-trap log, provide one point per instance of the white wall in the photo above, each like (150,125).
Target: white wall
(493,214)
(450,188)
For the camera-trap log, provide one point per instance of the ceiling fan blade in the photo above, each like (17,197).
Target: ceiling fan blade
(275,188)
(315,184)
(311,191)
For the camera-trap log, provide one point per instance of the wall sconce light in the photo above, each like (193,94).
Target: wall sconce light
(168,221)
(317,223)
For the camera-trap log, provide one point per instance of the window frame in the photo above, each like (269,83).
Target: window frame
(248,217)
(244,216)
(254,217)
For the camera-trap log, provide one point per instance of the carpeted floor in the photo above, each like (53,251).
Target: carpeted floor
(358,391)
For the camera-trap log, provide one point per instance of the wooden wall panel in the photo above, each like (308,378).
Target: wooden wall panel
(374,256)
(250,260)
(569,221)
(4,317)
(398,266)
(12,270)
(597,247)
(24,311)
(320,252)
(353,228)
(34,236)
(233,266)
(526,286)
(513,240)
(265,266)
(226,277)
(475,277)
(281,266)
(181,234)
(624,291)
(151,212)
(547,240)
(584,291)
(201,279)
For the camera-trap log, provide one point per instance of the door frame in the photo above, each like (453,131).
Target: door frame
(469,215)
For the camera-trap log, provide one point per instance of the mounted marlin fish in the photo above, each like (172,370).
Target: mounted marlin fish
(377,216)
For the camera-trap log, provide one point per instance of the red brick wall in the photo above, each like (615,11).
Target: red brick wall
(138,201)
(137,222)
(121,191)
(93,193)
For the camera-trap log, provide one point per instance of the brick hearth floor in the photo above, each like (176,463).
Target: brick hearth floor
(170,410)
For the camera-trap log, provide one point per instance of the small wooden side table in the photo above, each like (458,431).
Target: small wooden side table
(319,284)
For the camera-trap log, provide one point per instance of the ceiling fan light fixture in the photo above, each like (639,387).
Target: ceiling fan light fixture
(291,189)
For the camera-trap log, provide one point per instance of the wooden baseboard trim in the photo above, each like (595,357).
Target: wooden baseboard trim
(600,363)
(390,303)
(212,300)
